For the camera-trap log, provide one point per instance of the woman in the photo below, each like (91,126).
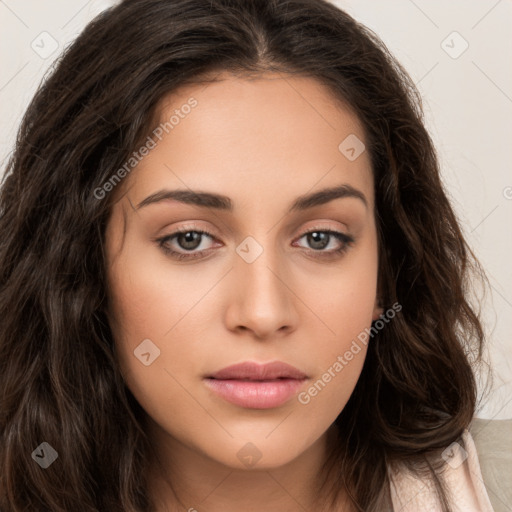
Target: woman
(178,336)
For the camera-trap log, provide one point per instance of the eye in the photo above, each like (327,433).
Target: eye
(320,239)
(187,240)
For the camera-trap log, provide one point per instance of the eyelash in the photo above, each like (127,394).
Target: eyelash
(346,240)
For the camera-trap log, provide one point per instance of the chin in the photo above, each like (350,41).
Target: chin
(258,453)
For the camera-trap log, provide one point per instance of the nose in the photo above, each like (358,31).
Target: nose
(262,299)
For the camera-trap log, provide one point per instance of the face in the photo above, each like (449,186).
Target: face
(263,270)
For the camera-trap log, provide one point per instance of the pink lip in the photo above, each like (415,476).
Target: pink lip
(255,386)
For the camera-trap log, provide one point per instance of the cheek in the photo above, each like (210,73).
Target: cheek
(327,394)
(339,355)
(149,301)
(344,307)
(343,300)
(155,315)
(153,343)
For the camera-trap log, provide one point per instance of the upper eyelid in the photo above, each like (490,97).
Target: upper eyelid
(211,233)
(208,233)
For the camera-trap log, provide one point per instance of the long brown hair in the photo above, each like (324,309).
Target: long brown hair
(59,379)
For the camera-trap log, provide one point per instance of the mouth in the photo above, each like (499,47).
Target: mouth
(255,386)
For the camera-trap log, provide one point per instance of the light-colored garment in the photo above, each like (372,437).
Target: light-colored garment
(463,480)
(493,441)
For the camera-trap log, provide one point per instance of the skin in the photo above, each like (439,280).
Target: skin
(263,142)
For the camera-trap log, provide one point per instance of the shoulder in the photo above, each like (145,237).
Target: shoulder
(460,475)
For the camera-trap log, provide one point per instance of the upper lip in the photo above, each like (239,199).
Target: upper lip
(255,371)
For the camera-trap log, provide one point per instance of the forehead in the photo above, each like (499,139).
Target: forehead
(271,132)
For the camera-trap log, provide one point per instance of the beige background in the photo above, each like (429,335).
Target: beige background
(466,82)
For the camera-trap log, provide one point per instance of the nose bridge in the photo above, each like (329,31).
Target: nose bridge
(264,302)
(258,264)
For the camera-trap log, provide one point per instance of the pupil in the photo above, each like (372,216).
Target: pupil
(190,239)
(318,239)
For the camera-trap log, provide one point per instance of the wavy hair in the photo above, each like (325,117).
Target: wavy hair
(59,378)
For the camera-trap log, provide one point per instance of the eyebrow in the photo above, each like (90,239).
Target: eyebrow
(221,202)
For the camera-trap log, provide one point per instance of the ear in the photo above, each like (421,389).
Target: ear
(377,310)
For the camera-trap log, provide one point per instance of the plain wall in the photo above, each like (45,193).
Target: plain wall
(458,53)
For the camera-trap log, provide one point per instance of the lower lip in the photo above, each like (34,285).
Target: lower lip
(255,394)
